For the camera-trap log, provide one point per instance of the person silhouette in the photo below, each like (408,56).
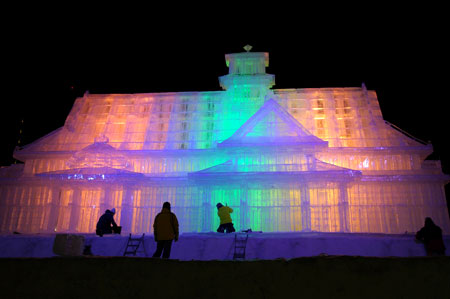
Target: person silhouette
(107,225)
(165,230)
(431,236)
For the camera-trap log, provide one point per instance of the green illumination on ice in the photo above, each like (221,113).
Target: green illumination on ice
(247,85)
(259,208)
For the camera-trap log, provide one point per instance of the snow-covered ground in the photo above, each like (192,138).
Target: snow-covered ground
(215,246)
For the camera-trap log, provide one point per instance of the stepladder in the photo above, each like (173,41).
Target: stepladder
(240,245)
(133,245)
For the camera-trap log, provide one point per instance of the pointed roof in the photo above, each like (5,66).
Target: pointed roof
(272,125)
(99,154)
(316,169)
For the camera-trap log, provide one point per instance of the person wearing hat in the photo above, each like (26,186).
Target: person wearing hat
(165,229)
(107,225)
(226,224)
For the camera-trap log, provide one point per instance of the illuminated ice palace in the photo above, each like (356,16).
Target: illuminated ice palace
(286,160)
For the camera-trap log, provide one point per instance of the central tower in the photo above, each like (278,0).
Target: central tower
(247,87)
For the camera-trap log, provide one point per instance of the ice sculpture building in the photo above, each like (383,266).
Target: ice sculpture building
(314,159)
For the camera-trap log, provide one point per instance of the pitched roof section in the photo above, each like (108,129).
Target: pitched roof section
(316,169)
(99,154)
(272,125)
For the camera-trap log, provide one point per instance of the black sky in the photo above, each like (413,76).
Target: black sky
(49,64)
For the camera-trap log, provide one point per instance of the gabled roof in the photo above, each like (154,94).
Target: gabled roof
(316,168)
(316,165)
(99,154)
(272,125)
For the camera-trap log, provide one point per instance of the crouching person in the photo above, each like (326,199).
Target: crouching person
(165,230)
(107,225)
(226,223)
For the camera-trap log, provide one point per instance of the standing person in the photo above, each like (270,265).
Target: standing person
(431,236)
(226,223)
(165,230)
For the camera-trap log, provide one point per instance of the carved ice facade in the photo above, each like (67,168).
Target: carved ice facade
(314,159)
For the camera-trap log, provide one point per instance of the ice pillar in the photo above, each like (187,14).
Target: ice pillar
(343,208)
(305,208)
(126,216)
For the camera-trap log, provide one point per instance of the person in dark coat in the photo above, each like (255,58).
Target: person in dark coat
(107,225)
(431,236)
(165,230)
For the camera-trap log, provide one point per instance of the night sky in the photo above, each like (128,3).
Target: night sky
(49,66)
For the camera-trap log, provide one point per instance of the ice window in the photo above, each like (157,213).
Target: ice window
(319,106)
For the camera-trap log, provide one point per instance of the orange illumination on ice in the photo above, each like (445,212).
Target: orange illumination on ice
(319,159)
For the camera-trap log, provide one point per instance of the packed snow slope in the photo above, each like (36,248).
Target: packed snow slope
(215,246)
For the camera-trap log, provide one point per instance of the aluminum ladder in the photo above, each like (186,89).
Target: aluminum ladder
(240,244)
(133,245)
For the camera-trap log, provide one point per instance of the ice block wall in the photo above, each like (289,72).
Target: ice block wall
(311,159)
(264,206)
